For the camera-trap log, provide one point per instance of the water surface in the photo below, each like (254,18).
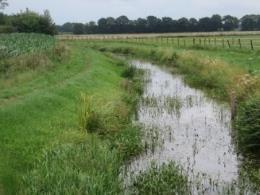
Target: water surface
(182,125)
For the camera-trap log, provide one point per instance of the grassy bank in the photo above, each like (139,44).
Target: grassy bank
(217,76)
(67,130)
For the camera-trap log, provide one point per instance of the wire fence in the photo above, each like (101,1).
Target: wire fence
(250,42)
(209,42)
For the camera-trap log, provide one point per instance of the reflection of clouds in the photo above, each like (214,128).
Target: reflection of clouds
(197,138)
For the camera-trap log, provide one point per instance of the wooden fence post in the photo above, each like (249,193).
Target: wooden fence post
(215,42)
(193,41)
(223,43)
(228,44)
(252,46)
(178,42)
(239,42)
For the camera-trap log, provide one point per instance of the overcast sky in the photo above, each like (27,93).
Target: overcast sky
(87,10)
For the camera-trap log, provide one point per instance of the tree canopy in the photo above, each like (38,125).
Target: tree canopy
(152,24)
(28,22)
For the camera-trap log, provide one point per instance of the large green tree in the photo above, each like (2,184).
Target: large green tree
(78,29)
(166,24)
(250,22)
(153,23)
(122,24)
(30,21)
(230,23)
(183,25)
(215,23)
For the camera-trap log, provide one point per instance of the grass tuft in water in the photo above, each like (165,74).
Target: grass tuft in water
(165,179)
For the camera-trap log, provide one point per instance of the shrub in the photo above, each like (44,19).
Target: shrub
(7,29)
(60,52)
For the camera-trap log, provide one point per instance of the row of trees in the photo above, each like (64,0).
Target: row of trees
(27,21)
(152,24)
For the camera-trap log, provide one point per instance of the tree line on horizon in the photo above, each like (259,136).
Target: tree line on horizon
(29,21)
(152,24)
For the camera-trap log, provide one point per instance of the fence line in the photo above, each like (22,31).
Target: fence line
(224,42)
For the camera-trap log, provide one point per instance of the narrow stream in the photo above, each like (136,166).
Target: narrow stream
(182,125)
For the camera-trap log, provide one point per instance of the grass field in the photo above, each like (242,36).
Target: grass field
(226,40)
(44,147)
(228,76)
(66,119)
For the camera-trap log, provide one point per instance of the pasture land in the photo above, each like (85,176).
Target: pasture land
(66,106)
(45,147)
(249,40)
(230,76)
(221,75)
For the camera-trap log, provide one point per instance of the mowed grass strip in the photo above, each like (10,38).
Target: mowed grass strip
(40,129)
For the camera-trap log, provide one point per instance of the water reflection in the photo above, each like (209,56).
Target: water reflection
(181,124)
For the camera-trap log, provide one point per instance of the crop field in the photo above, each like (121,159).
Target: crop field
(12,45)
(130,114)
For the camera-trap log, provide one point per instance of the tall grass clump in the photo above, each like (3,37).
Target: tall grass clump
(248,125)
(89,118)
(165,179)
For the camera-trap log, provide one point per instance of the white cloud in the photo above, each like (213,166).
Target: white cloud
(86,10)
